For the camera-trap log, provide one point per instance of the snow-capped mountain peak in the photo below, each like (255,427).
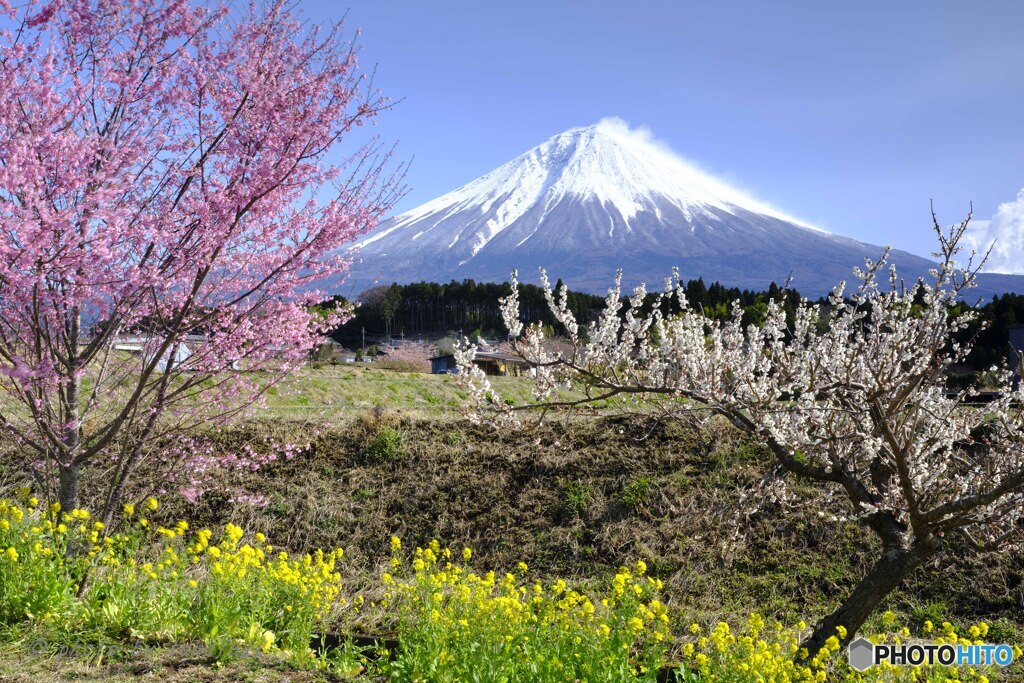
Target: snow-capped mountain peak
(624,170)
(592,200)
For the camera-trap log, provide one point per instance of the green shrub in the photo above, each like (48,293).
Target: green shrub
(384,446)
(636,493)
(576,498)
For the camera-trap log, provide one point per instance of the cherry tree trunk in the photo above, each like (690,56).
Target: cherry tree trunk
(68,494)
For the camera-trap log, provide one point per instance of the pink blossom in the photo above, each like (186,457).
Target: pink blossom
(169,207)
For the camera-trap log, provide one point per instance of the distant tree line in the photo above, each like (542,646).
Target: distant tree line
(470,307)
(430,308)
(716,301)
(992,338)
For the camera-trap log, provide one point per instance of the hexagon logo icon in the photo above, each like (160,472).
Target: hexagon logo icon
(861,654)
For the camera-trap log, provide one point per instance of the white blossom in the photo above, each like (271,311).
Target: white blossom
(852,394)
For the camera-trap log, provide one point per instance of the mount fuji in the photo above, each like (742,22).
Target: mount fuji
(593,200)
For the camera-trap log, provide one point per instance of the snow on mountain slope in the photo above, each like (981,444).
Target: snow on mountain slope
(607,162)
(591,200)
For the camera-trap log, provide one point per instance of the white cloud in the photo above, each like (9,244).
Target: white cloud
(1005,234)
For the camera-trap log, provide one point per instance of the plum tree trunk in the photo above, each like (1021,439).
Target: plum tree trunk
(895,565)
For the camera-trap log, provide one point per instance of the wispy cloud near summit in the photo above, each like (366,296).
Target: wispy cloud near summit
(643,140)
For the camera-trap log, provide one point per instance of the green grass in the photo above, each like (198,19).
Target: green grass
(386,445)
(331,392)
(637,493)
(576,498)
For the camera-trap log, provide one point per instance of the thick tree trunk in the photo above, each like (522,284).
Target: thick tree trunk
(68,494)
(889,571)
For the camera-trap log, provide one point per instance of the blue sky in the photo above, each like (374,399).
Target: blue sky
(849,116)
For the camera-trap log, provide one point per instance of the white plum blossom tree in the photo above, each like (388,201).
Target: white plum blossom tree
(851,394)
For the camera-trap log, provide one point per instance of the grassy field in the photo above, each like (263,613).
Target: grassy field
(390,455)
(343,392)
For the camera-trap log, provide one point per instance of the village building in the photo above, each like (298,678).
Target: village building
(494,363)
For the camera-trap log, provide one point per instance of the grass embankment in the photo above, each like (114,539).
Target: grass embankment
(578,500)
(573,501)
(343,392)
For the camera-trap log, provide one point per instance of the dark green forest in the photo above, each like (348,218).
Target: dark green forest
(431,309)
(470,308)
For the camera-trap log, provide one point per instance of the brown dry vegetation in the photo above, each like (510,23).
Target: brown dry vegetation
(577,500)
(170,664)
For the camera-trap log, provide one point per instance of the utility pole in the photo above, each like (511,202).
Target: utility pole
(364,341)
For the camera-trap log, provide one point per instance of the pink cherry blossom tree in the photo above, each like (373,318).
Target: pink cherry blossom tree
(851,395)
(172,192)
